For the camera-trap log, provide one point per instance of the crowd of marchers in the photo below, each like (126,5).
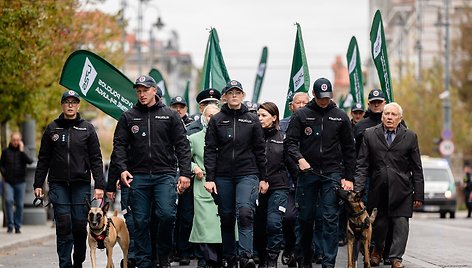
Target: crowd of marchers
(234,184)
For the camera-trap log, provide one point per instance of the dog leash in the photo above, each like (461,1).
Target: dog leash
(39,202)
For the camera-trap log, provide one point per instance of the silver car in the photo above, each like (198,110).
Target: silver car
(439,187)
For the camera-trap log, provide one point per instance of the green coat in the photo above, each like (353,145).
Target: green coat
(206,222)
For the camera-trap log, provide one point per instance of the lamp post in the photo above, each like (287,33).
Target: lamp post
(159,25)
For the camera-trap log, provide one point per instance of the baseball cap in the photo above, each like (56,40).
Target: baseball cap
(234,84)
(356,106)
(376,94)
(70,93)
(210,94)
(322,88)
(145,80)
(178,100)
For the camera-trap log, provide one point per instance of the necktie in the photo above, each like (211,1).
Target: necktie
(389,137)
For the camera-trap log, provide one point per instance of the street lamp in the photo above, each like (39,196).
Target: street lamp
(159,25)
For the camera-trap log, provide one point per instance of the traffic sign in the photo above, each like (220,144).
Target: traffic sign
(446,147)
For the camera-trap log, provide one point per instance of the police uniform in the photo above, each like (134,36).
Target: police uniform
(371,119)
(68,156)
(150,143)
(187,120)
(235,160)
(323,137)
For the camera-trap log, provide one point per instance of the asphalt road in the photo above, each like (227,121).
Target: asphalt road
(433,242)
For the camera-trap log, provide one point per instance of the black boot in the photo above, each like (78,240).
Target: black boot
(164,262)
(272,260)
(229,262)
(246,263)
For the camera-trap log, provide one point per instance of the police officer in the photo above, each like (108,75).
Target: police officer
(268,235)
(150,141)
(179,104)
(357,113)
(319,138)
(236,167)
(69,152)
(204,98)
(372,117)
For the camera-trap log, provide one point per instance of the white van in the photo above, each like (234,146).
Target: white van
(439,187)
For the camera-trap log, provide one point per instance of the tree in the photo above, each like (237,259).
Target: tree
(35,41)
(462,74)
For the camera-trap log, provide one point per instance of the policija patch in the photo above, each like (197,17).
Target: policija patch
(308,131)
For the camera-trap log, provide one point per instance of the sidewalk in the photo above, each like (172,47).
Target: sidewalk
(29,234)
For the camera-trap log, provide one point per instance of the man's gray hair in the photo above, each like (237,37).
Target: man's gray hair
(400,109)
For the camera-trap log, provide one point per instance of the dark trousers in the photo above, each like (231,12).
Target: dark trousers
(14,197)
(312,190)
(289,222)
(127,213)
(237,200)
(183,224)
(145,189)
(268,235)
(399,228)
(70,214)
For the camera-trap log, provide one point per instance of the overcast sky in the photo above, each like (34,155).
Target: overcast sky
(246,26)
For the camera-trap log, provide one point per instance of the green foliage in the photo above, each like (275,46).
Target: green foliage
(36,37)
(422,110)
(461,80)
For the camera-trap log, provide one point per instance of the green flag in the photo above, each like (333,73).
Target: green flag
(214,73)
(380,56)
(98,82)
(161,83)
(299,76)
(355,72)
(186,97)
(260,76)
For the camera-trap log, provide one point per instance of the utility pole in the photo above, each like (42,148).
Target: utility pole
(418,45)
(447,128)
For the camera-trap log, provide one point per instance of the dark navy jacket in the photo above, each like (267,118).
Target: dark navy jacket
(324,138)
(234,145)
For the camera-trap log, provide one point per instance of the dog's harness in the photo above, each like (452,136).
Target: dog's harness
(100,238)
(359,226)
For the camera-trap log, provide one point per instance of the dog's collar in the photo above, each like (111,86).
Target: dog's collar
(357,214)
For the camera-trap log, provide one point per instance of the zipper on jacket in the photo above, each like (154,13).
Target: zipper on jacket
(234,133)
(149,140)
(321,143)
(68,154)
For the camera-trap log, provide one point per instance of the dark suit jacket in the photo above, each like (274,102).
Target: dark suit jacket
(396,173)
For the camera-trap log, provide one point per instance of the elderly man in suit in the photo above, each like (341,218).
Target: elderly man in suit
(390,157)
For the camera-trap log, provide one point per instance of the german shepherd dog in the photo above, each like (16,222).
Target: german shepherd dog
(359,225)
(105,232)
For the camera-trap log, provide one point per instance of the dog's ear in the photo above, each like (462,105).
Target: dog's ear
(106,207)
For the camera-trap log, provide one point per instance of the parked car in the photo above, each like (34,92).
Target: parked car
(439,187)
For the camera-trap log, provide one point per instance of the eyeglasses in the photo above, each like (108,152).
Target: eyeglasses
(234,92)
(73,102)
